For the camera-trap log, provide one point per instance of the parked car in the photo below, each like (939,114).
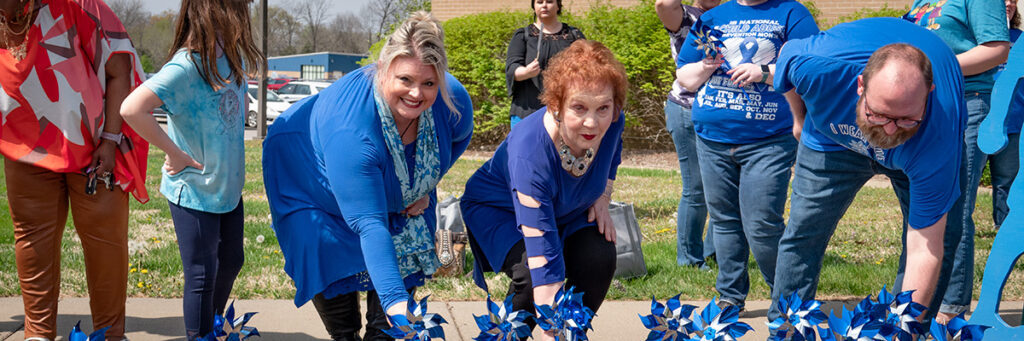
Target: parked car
(275,106)
(296,90)
(276,83)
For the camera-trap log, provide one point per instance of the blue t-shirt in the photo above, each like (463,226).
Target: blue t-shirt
(208,125)
(333,192)
(528,162)
(723,112)
(964,24)
(1015,117)
(823,70)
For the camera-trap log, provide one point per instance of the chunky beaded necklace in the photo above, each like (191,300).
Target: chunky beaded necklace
(577,166)
(17,26)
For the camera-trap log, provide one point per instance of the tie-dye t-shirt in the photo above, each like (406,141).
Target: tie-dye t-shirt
(208,125)
(964,24)
(53,99)
(722,111)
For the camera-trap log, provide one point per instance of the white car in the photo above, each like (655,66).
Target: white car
(296,90)
(275,106)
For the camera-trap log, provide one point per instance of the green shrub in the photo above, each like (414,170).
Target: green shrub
(638,40)
(476,46)
(885,11)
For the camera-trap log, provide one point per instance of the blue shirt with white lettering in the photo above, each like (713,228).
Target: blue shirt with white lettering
(823,70)
(722,111)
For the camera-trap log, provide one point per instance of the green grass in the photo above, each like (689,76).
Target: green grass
(862,256)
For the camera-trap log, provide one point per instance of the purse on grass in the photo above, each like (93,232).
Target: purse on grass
(450,239)
(629,256)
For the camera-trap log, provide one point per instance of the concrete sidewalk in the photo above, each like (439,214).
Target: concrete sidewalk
(160,319)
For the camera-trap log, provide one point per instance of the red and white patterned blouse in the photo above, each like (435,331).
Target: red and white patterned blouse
(52,101)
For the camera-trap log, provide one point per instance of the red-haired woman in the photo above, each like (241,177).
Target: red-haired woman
(538,209)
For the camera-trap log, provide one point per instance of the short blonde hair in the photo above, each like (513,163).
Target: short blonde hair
(421,37)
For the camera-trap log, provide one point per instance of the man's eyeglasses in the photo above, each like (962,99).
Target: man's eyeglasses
(881,120)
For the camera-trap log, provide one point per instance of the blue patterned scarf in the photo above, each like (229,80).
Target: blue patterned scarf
(414,246)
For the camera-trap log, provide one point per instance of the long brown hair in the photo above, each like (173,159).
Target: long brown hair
(205,25)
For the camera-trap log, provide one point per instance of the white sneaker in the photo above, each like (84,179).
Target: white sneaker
(37,338)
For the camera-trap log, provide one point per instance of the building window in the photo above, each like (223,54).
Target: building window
(313,72)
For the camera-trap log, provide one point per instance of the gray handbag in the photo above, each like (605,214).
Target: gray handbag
(451,238)
(628,252)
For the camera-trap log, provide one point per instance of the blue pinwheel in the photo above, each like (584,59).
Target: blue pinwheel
(717,324)
(502,324)
(709,40)
(78,335)
(902,314)
(864,322)
(568,318)
(957,330)
(799,319)
(417,324)
(229,328)
(669,321)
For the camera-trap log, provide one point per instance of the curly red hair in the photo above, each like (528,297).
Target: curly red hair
(586,63)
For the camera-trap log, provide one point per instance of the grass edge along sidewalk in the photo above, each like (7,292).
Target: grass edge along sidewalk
(862,255)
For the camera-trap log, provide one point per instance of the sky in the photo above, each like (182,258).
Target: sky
(337,6)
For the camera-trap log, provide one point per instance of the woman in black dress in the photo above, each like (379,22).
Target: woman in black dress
(528,55)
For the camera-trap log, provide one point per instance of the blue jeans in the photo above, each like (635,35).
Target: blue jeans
(824,186)
(211,257)
(961,284)
(692,211)
(745,186)
(1003,168)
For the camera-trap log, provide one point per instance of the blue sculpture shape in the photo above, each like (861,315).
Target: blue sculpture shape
(1006,248)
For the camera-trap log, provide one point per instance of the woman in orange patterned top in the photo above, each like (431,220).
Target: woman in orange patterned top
(65,67)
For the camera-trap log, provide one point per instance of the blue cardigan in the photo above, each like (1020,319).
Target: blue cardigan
(334,197)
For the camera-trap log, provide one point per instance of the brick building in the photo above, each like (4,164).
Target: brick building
(830,9)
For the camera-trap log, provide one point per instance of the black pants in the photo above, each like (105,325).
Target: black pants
(340,315)
(589,266)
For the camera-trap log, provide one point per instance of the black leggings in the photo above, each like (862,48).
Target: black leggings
(210,245)
(589,266)
(340,315)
